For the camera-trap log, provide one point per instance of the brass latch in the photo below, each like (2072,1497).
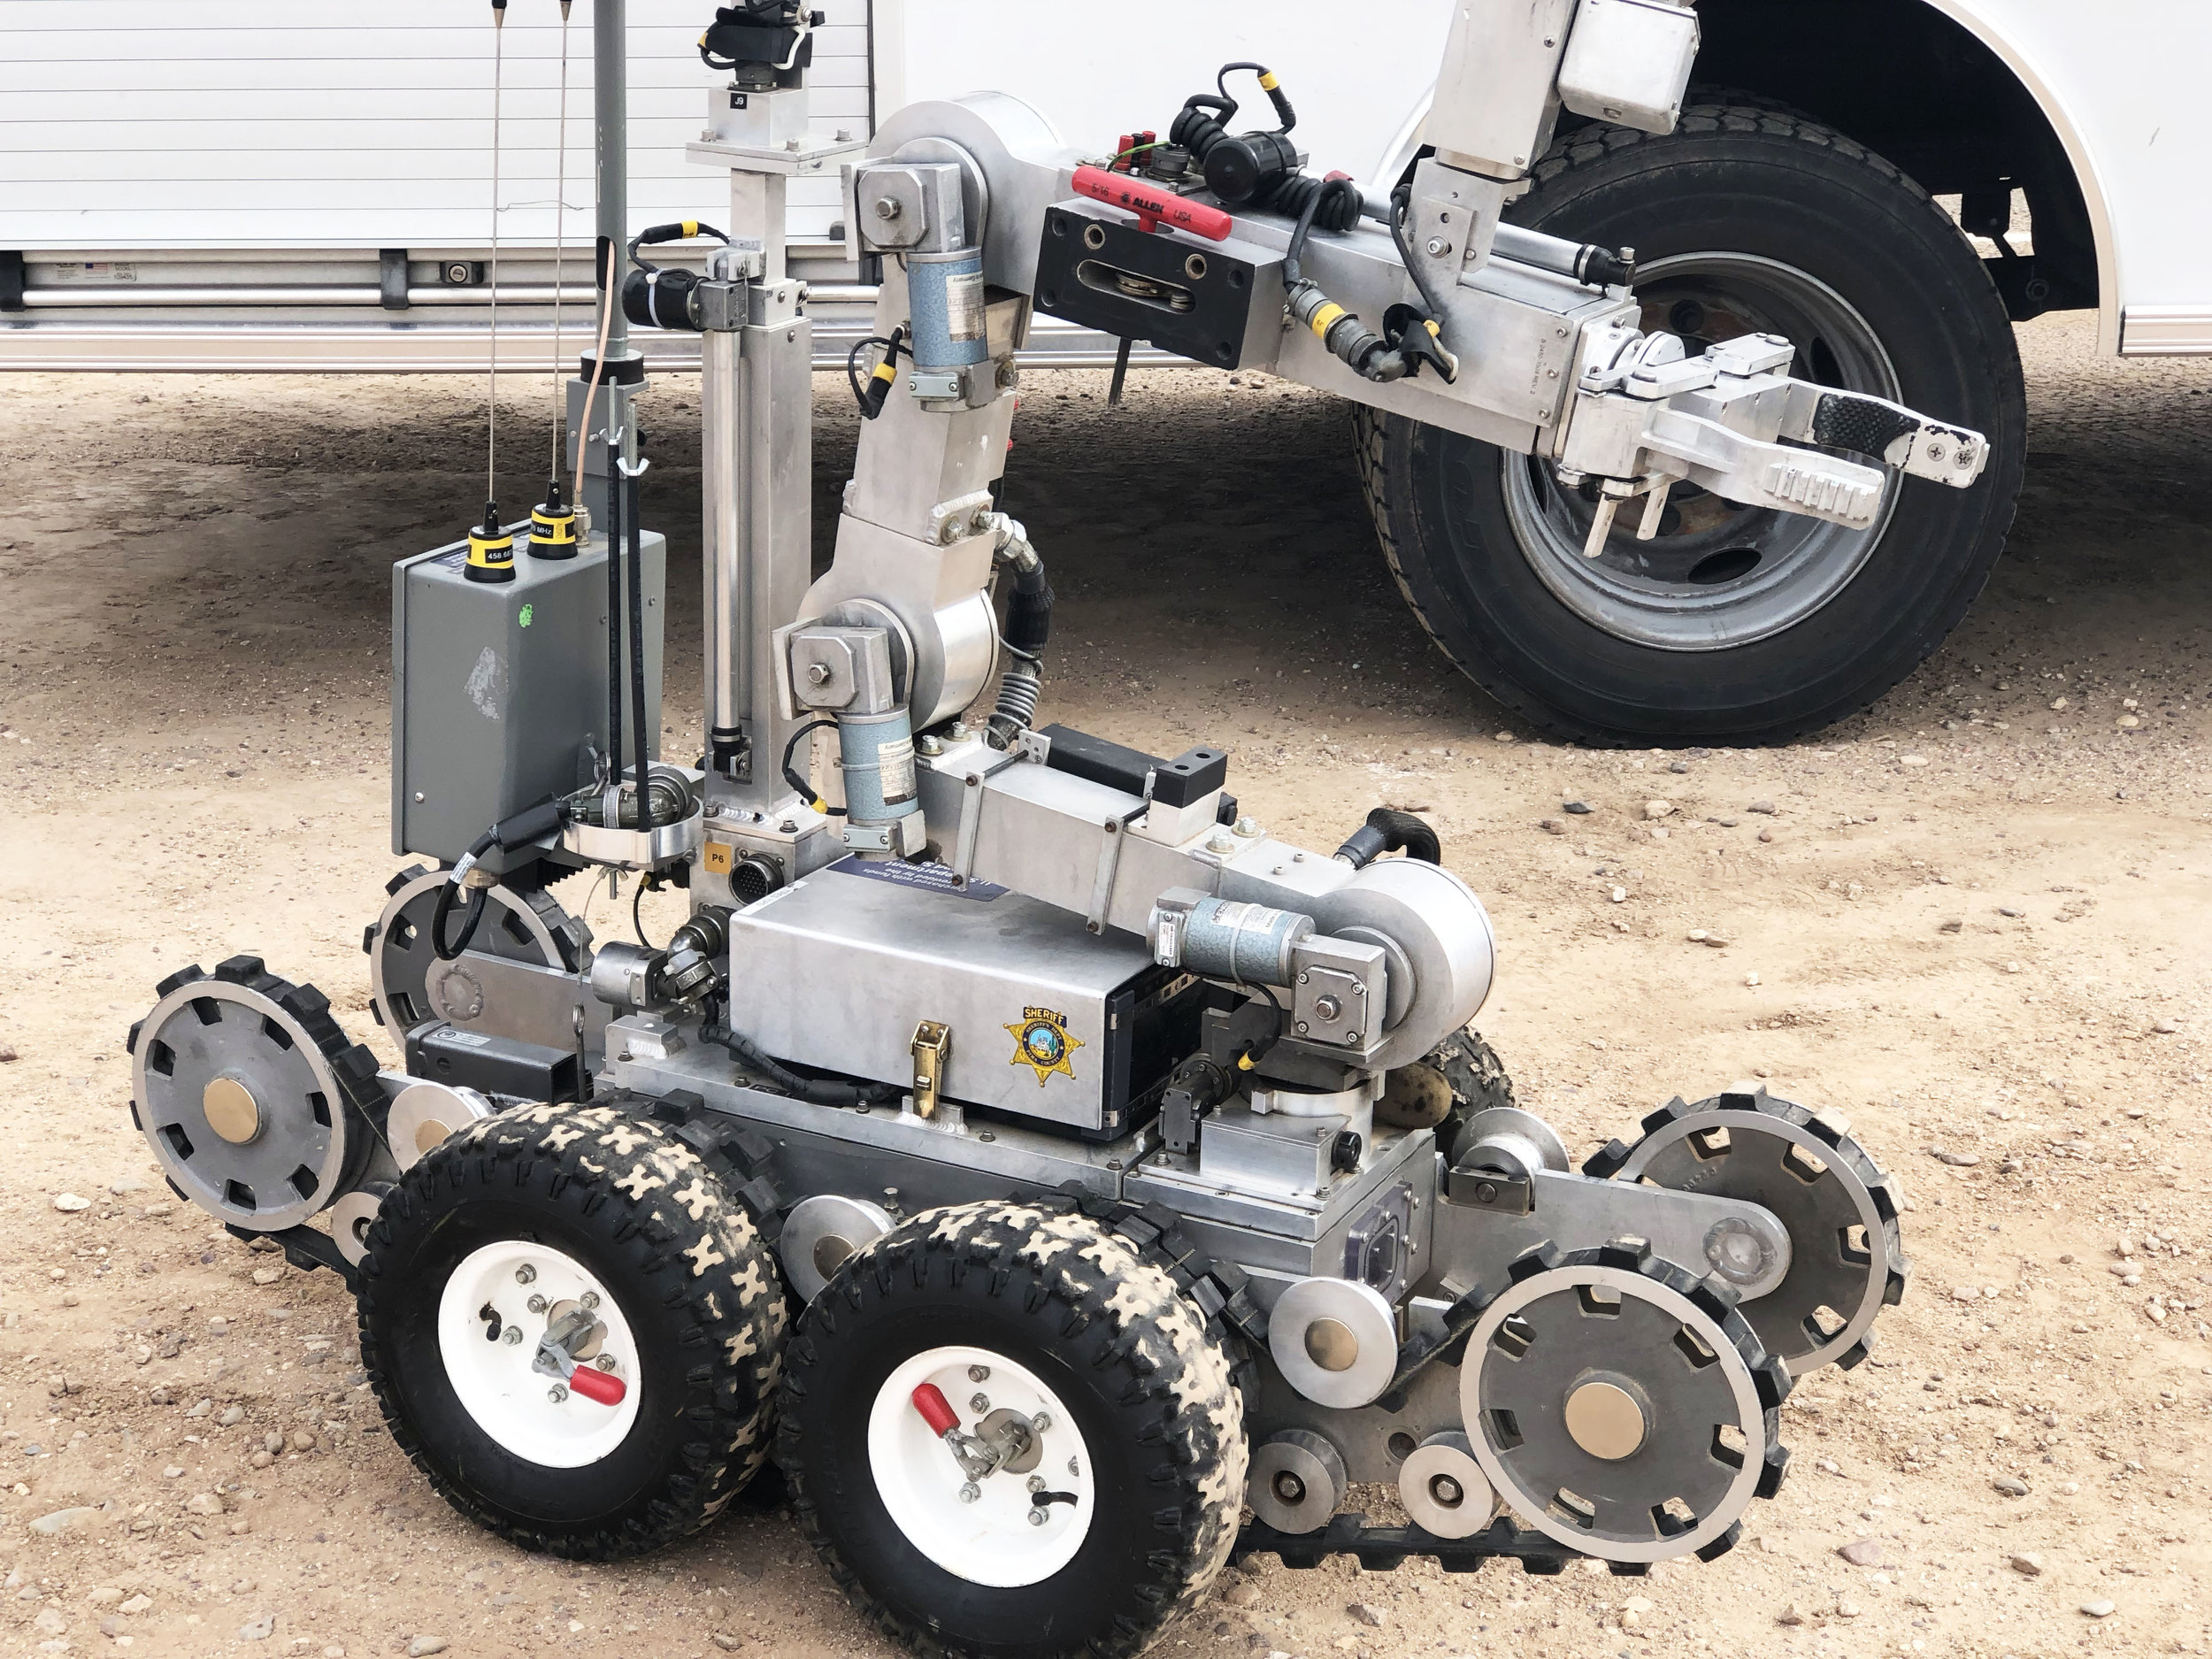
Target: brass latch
(933,1048)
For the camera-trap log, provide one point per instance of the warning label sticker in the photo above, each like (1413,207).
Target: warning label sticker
(964,305)
(932,878)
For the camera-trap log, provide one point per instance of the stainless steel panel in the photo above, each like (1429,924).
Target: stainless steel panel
(856,960)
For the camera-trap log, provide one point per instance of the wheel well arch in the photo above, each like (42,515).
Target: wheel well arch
(1938,91)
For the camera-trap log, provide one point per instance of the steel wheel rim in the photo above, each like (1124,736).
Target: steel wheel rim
(1684,591)
(988,1541)
(493,1379)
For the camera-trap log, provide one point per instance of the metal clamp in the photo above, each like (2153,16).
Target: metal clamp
(933,1050)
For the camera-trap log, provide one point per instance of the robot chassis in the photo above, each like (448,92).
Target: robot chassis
(1069,1163)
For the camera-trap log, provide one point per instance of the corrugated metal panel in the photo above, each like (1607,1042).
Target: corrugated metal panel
(271,124)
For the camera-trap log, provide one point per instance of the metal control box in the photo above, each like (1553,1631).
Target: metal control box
(1047,1020)
(499,690)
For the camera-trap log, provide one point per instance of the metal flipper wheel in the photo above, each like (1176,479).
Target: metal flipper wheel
(407,982)
(1008,1433)
(1460,1077)
(1622,1406)
(574,1329)
(1836,1205)
(250,1094)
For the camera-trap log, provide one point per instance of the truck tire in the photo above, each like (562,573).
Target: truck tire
(502,1227)
(1732,626)
(1028,1309)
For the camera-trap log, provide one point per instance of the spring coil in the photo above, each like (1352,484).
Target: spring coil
(1019,690)
(1197,130)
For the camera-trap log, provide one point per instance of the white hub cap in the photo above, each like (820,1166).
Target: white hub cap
(988,1538)
(531,1415)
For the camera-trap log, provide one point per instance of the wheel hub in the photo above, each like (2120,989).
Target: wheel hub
(499,1306)
(1605,1417)
(1004,1496)
(232,1111)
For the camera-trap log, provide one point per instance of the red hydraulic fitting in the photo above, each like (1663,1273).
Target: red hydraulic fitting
(594,1384)
(936,1410)
(1152,205)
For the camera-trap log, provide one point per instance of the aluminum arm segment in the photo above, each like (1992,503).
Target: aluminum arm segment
(1546,364)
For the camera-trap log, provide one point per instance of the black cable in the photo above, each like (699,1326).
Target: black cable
(1291,275)
(1400,204)
(814,1090)
(637,923)
(790,773)
(1254,1053)
(631,521)
(443,910)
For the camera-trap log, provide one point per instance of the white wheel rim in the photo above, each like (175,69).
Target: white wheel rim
(990,1542)
(508,1401)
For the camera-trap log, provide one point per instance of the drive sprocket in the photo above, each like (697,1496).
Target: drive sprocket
(408,984)
(1621,1405)
(1838,1208)
(252,1096)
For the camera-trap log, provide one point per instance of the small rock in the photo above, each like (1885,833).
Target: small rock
(2012,967)
(261,1459)
(200,1407)
(267,1275)
(1966,1292)
(302,1440)
(260,1629)
(233,1416)
(1618,896)
(2058,706)
(1910,760)
(2100,1609)
(69,1204)
(1580,808)
(422,1646)
(1951,926)
(2028,1564)
(2121,1269)
(1766,836)
(272,1443)
(1367,1613)
(1846,1610)
(2010,1486)
(105,1596)
(203,1503)
(1243,1592)
(1960,1160)
(138,1603)
(1790,1615)
(2127,722)
(7,1054)
(125,1188)
(1551,826)
(726,1643)
(2165,1027)
(1862,1553)
(64,1520)
(219,1326)
(1653,810)
(1766,807)
(172,1472)
(53,1623)
(1752,978)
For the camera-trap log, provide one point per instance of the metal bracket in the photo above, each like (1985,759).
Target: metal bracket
(933,1051)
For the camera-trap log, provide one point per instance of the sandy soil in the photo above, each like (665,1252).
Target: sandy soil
(1973,921)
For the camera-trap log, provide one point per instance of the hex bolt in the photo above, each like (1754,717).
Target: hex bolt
(978,1402)
(950,533)
(970,1493)
(525,1274)
(605,1362)
(1072,1470)
(1038,1424)
(818,674)
(1037,1517)
(511,1335)
(1327,1007)
(887,208)
(536,1304)
(1036,1483)
(588,1300)
(557,1393)
(1438,247)
(978,1374)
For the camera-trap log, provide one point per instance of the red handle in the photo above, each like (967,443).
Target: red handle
(936,1411)
(594,1384)
(1153,206)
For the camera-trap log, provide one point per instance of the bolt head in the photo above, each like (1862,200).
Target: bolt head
(557,1393)
(1036,1483)
(588,1300)
(511,1335)
(887,208)
(525,1274)
(978,1374)
(605,1362)
(1038,1424)
(536,1304)
(1249,826)
(1037,1517)
(970,1493)
(818,674)
(950,533)
(1327,1007)
(1438,247)
(978,1402)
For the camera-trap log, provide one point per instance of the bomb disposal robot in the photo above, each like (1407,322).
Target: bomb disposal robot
(1045,1163)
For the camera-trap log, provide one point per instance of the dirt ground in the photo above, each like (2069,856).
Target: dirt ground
(1973,921)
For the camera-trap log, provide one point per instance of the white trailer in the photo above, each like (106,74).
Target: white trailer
(236,184)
